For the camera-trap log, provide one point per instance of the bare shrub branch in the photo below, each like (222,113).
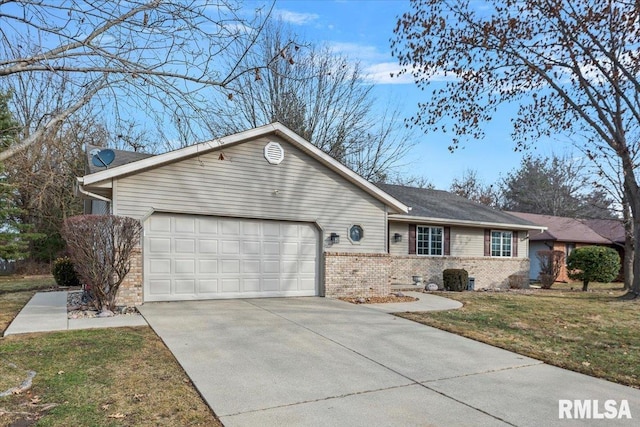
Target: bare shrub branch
(101,247)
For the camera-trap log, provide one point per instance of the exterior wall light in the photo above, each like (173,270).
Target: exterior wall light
(397,237)
(335,238)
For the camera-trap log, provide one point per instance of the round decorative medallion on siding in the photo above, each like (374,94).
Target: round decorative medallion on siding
(274,153)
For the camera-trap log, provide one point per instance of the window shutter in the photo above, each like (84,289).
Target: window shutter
(487,242)
(412,239)
(447,240)
(514,245)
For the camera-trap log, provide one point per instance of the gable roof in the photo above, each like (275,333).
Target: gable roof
(442,206)
(278,129)
(122,158)
(612,229)
(563,229)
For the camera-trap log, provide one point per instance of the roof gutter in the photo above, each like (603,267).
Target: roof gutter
(78,188)
(462,222)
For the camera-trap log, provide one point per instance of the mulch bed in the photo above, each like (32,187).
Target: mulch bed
(379,300)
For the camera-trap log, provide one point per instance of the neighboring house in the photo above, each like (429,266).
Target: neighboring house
(565,234)
(265,213)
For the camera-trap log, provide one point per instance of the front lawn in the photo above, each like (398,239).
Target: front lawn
(97,377)
(590,332)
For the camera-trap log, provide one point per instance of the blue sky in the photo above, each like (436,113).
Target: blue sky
(362,29)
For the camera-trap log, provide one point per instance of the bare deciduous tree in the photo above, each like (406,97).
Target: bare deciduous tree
(101,247)
(151,58)
(471,187)
(551,263)
(323,97)
(573,68)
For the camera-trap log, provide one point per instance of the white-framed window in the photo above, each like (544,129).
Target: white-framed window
(429,240)
(501,242)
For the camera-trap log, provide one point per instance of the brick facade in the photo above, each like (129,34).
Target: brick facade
(366,275)
(360,275)
(489,273)
(130,292)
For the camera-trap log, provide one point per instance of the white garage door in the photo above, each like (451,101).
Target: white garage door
(190,257)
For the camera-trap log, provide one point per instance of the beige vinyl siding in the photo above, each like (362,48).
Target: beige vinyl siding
(467,242)
(246,185)
(399,248)
(523,244)
(464,241)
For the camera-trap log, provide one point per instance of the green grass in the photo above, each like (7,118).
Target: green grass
(594,332)
(97,377)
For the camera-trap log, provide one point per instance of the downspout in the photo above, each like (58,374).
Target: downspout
(81,190)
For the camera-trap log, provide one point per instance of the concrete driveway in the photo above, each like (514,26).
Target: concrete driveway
(319,362)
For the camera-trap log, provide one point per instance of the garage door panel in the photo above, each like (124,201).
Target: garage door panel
(159,224)
(196,257)
(270,267)
(208,286)
(185,246)
(160,266)
(271,248)
(159,286)
(230,266)
(185,224)
(159,245)
(290,248)
(251,247)
(207,246)
(230,247)
(251,285)
(185,286)
(184,266)
(251,266)
(230,227)
(230,285)
(251,228)
(208,226)
(208,266)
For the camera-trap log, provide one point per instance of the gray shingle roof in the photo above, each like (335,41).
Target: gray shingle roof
(448,206)
(122,158)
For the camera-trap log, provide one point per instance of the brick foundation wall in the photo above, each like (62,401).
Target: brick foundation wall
(356,275)
(130,292)
(488,272)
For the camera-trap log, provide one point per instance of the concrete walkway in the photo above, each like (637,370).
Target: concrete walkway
(426,302)
(317,362)
(47,311)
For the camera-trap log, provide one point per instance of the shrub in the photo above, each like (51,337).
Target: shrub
(593,263)
(64,273)
(101,247)
(518,281)
(550,265)
(455,279)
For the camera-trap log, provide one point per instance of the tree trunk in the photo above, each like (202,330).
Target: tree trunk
(632,194)
(585,284)
(628,245)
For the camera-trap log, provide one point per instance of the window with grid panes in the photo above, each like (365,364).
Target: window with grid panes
(429,240)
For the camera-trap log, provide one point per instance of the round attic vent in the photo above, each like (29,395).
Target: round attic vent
(274,153)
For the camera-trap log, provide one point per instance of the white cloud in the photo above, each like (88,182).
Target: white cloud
(295,18)
(363,53)
(381,74)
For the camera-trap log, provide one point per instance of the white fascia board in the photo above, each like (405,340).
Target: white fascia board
(277,128)
(464,223)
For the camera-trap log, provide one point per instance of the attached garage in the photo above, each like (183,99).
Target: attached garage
(261,213)
(190,257)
